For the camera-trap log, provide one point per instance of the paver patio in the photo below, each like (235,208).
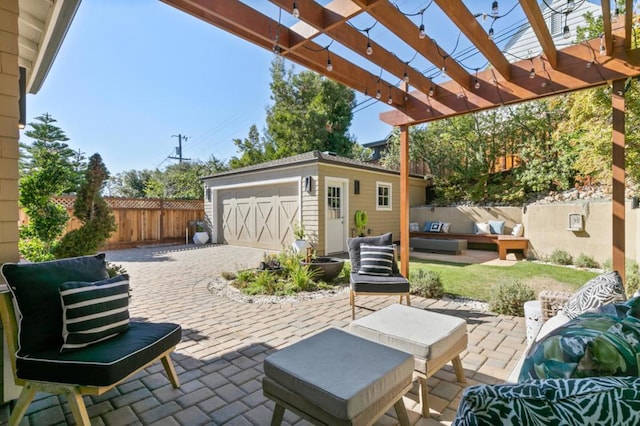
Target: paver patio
(224,342)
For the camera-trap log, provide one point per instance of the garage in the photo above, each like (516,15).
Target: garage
(259,216)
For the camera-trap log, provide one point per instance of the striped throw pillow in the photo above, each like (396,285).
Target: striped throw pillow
(376,260)
(93,312)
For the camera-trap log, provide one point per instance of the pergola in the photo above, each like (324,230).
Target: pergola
(418,98)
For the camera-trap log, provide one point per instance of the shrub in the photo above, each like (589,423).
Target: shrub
(560,257)
(346,271)
(584,261)
(302,278)
(632,278)
(426,283)
(508,298)
(113,269)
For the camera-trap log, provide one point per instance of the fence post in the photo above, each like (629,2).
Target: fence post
(162,220)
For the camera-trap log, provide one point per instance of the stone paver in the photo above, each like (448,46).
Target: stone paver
(224,342)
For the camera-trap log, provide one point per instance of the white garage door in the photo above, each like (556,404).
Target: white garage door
(261,216)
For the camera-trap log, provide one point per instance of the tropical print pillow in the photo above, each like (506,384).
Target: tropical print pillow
(601,343)
(601,290)
(592,401)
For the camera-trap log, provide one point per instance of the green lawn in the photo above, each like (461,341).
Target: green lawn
(475,281)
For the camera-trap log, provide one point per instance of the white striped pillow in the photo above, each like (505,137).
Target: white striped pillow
(93,312)
(376,260)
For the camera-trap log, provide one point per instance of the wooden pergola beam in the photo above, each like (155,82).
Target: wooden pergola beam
(539,26)
(618,175)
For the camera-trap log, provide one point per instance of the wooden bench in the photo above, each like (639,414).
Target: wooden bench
(502,242)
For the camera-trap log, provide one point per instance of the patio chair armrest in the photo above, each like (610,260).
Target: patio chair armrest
(551,302)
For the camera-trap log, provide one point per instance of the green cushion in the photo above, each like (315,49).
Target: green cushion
(605,342)
(35,289)
(593,401)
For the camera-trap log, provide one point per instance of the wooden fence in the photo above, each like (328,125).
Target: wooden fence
(142,221)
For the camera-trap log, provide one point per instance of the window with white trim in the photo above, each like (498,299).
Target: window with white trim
(383,196)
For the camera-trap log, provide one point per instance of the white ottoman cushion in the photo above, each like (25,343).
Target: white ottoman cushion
(422,333)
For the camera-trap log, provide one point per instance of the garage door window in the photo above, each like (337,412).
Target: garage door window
(383,190)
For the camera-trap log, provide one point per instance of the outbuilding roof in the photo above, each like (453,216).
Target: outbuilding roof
(306,158)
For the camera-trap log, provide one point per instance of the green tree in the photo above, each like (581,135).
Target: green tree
(93,211)
(309,112)
(251,148)
(46,170)
(130,183)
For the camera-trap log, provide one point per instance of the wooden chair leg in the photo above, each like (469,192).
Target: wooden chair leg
(352,301)
(400,299)
(78,409)
(24,400)
(457,366)
(170,370)
(278,414)
(408,300)
(424,392)
(401,412)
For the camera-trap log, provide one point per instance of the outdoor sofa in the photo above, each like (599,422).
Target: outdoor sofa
(582,368)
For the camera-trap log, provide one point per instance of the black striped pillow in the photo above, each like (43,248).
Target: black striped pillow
(93,312)
(376,260)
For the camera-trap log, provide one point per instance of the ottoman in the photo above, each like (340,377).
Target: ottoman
(433,339)
(336,378)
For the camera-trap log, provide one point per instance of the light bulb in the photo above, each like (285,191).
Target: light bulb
(406,77)
(491,33)
(378,94)
(544,84)
(295,12)
(603,50)
(431,91)
(428,109)
(369,49)
(566,32)
(444,71)
(390,100)
(532,73)
(589,64)
(421,32)
(329,65)
(476,84)
(494,9)
(484,17)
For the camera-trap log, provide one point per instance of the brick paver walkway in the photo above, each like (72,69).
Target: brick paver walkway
(224,342)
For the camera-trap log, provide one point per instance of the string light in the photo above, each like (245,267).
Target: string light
(494,9)
(491,33)
(295,12)
(432,91)
(532,73)
(603,49)
(406,77)
(389,99)
(589,64)
(421,33)
(378,94)
(476,82)
(444,71)
(566,32)
(570,6)
(369,49)
(329,65)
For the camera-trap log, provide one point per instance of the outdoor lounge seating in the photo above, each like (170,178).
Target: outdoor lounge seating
(434,339)
(336,378)
(70,333)
(376,273)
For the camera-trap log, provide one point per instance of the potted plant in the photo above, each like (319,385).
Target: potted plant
(361,219)
(200,236)
(300,243)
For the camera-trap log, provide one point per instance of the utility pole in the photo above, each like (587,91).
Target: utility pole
(179,148)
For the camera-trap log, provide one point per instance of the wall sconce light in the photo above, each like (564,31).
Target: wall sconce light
(356,186)
(22,100)
(308,184)
(576,222)
(635,202)
(208,194)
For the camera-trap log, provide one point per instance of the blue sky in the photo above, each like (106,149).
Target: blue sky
(130,74)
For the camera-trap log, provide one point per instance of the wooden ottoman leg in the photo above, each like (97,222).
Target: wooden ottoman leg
(457,366)
(352,301)
(424,391)
(278,414)
(401,412)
